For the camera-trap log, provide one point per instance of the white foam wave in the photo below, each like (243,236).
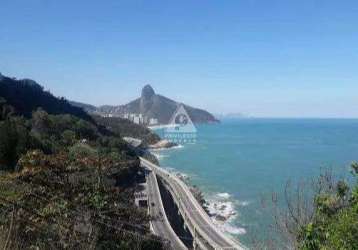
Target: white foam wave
(223,212)
(176,147)
(233,229)
(223,195)
(183,176)
(159,156)
(166,149)
(243,203)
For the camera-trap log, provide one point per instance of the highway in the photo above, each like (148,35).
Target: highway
(159,222)
(205,232)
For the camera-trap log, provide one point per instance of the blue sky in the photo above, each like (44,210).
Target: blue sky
(263,58)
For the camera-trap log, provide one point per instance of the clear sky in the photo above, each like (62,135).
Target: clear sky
(263,58)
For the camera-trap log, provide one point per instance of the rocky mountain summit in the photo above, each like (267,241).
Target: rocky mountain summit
(151,105)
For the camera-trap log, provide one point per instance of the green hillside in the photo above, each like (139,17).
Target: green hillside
(66,181)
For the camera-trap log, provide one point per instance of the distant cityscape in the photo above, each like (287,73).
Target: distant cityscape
(135,118)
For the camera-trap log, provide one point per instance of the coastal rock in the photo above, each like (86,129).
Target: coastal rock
(163,144)
(221,210)
(150,157)
(183,177)
(220,218)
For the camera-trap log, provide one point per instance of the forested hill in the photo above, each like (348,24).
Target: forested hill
(125,127)
(26,95)
(66,181)
(22,97)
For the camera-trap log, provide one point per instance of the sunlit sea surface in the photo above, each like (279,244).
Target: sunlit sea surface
(239,162)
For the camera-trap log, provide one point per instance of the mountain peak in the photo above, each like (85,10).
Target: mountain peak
(147,91)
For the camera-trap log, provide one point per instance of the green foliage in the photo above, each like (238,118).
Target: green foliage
(41,122)
(53,134)
(14,140)
(73,187)
(124,127)
(97,200)
(355,168)
(68,137)
(85,129)
(335,222)
(342,231)
(60,201)
(342,189)
(26,95)
(5,109)
(81,150)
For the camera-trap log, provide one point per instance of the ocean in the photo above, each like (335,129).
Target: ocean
(239,162)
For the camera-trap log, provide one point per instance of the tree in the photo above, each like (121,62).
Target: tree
(5,109)
(14,141)
(85,129)
(321,214)
(82,150)
(41,122)
(68,137)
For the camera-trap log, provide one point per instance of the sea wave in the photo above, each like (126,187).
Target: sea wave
(223,211)
(159,156)
(233,229)
(181,175)
(243,203)
(159,153)
(221,206)
(179,146)
(224,195)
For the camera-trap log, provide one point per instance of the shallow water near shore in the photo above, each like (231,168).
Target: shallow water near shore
(239,161)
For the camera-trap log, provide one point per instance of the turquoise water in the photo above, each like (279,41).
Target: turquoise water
(237,162)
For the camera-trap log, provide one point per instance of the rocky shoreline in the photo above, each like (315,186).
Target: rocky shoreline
(219,207)
(216,210)
(162,144)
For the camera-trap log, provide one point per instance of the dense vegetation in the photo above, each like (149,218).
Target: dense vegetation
(66,182)
(125,127)
(334,224)
(26,95)
(317,214)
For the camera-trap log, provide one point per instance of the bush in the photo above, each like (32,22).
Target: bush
(81,150)
(14,141)
(85,130)
(335,221)
(68,137)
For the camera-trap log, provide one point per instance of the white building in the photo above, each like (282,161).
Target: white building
(136,119)
(140,119)
(153,121)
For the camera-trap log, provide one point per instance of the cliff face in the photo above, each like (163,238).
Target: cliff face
(162,108)
(146,100)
